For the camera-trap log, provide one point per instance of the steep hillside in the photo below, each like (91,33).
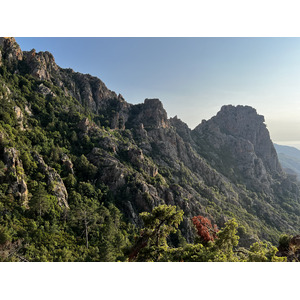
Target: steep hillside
(98,162)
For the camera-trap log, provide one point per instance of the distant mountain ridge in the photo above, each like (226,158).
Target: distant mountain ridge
(289,158)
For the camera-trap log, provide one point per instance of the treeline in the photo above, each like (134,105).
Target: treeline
(92,232)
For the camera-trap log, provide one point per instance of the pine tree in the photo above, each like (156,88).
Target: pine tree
(152,242)
(40,200)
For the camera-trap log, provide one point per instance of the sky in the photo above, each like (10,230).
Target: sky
(193,77)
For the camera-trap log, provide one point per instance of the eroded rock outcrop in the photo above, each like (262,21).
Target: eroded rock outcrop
(67,163)
(11,52)
(15,171)
(151,114)
(88,90)
(41,65)
(45,90)
(55,182)
(239,140)
(19,116)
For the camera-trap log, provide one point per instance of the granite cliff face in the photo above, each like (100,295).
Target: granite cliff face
(56,184)
(15,172)
(240,134)
(226,167)
(243,122)
(151,114)
(10,51)
(88,90)
(228,161)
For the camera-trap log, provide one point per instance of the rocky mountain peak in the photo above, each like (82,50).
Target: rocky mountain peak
(11,51)
(243,123)
(41,64)
(240,121)
(88,90)
(237,142)
(151,114)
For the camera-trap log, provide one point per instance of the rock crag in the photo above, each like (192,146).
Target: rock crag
(15,172)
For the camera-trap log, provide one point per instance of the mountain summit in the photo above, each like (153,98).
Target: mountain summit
(241,134)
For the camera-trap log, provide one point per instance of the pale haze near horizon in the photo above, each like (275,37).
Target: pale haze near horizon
(193,77)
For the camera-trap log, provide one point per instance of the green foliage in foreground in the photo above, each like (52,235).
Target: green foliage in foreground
(152,243)
(97,233)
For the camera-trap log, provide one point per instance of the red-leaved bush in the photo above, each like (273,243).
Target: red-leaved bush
(205,230)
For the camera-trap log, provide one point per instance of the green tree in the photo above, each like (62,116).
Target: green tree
(264,252)
(84,168)
(85,215)
(152,242)
(73,137)
(220,249)
(40,201)
(70,181)
(284,242)
(227,239)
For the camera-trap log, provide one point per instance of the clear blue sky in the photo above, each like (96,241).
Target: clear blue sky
(193,77)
